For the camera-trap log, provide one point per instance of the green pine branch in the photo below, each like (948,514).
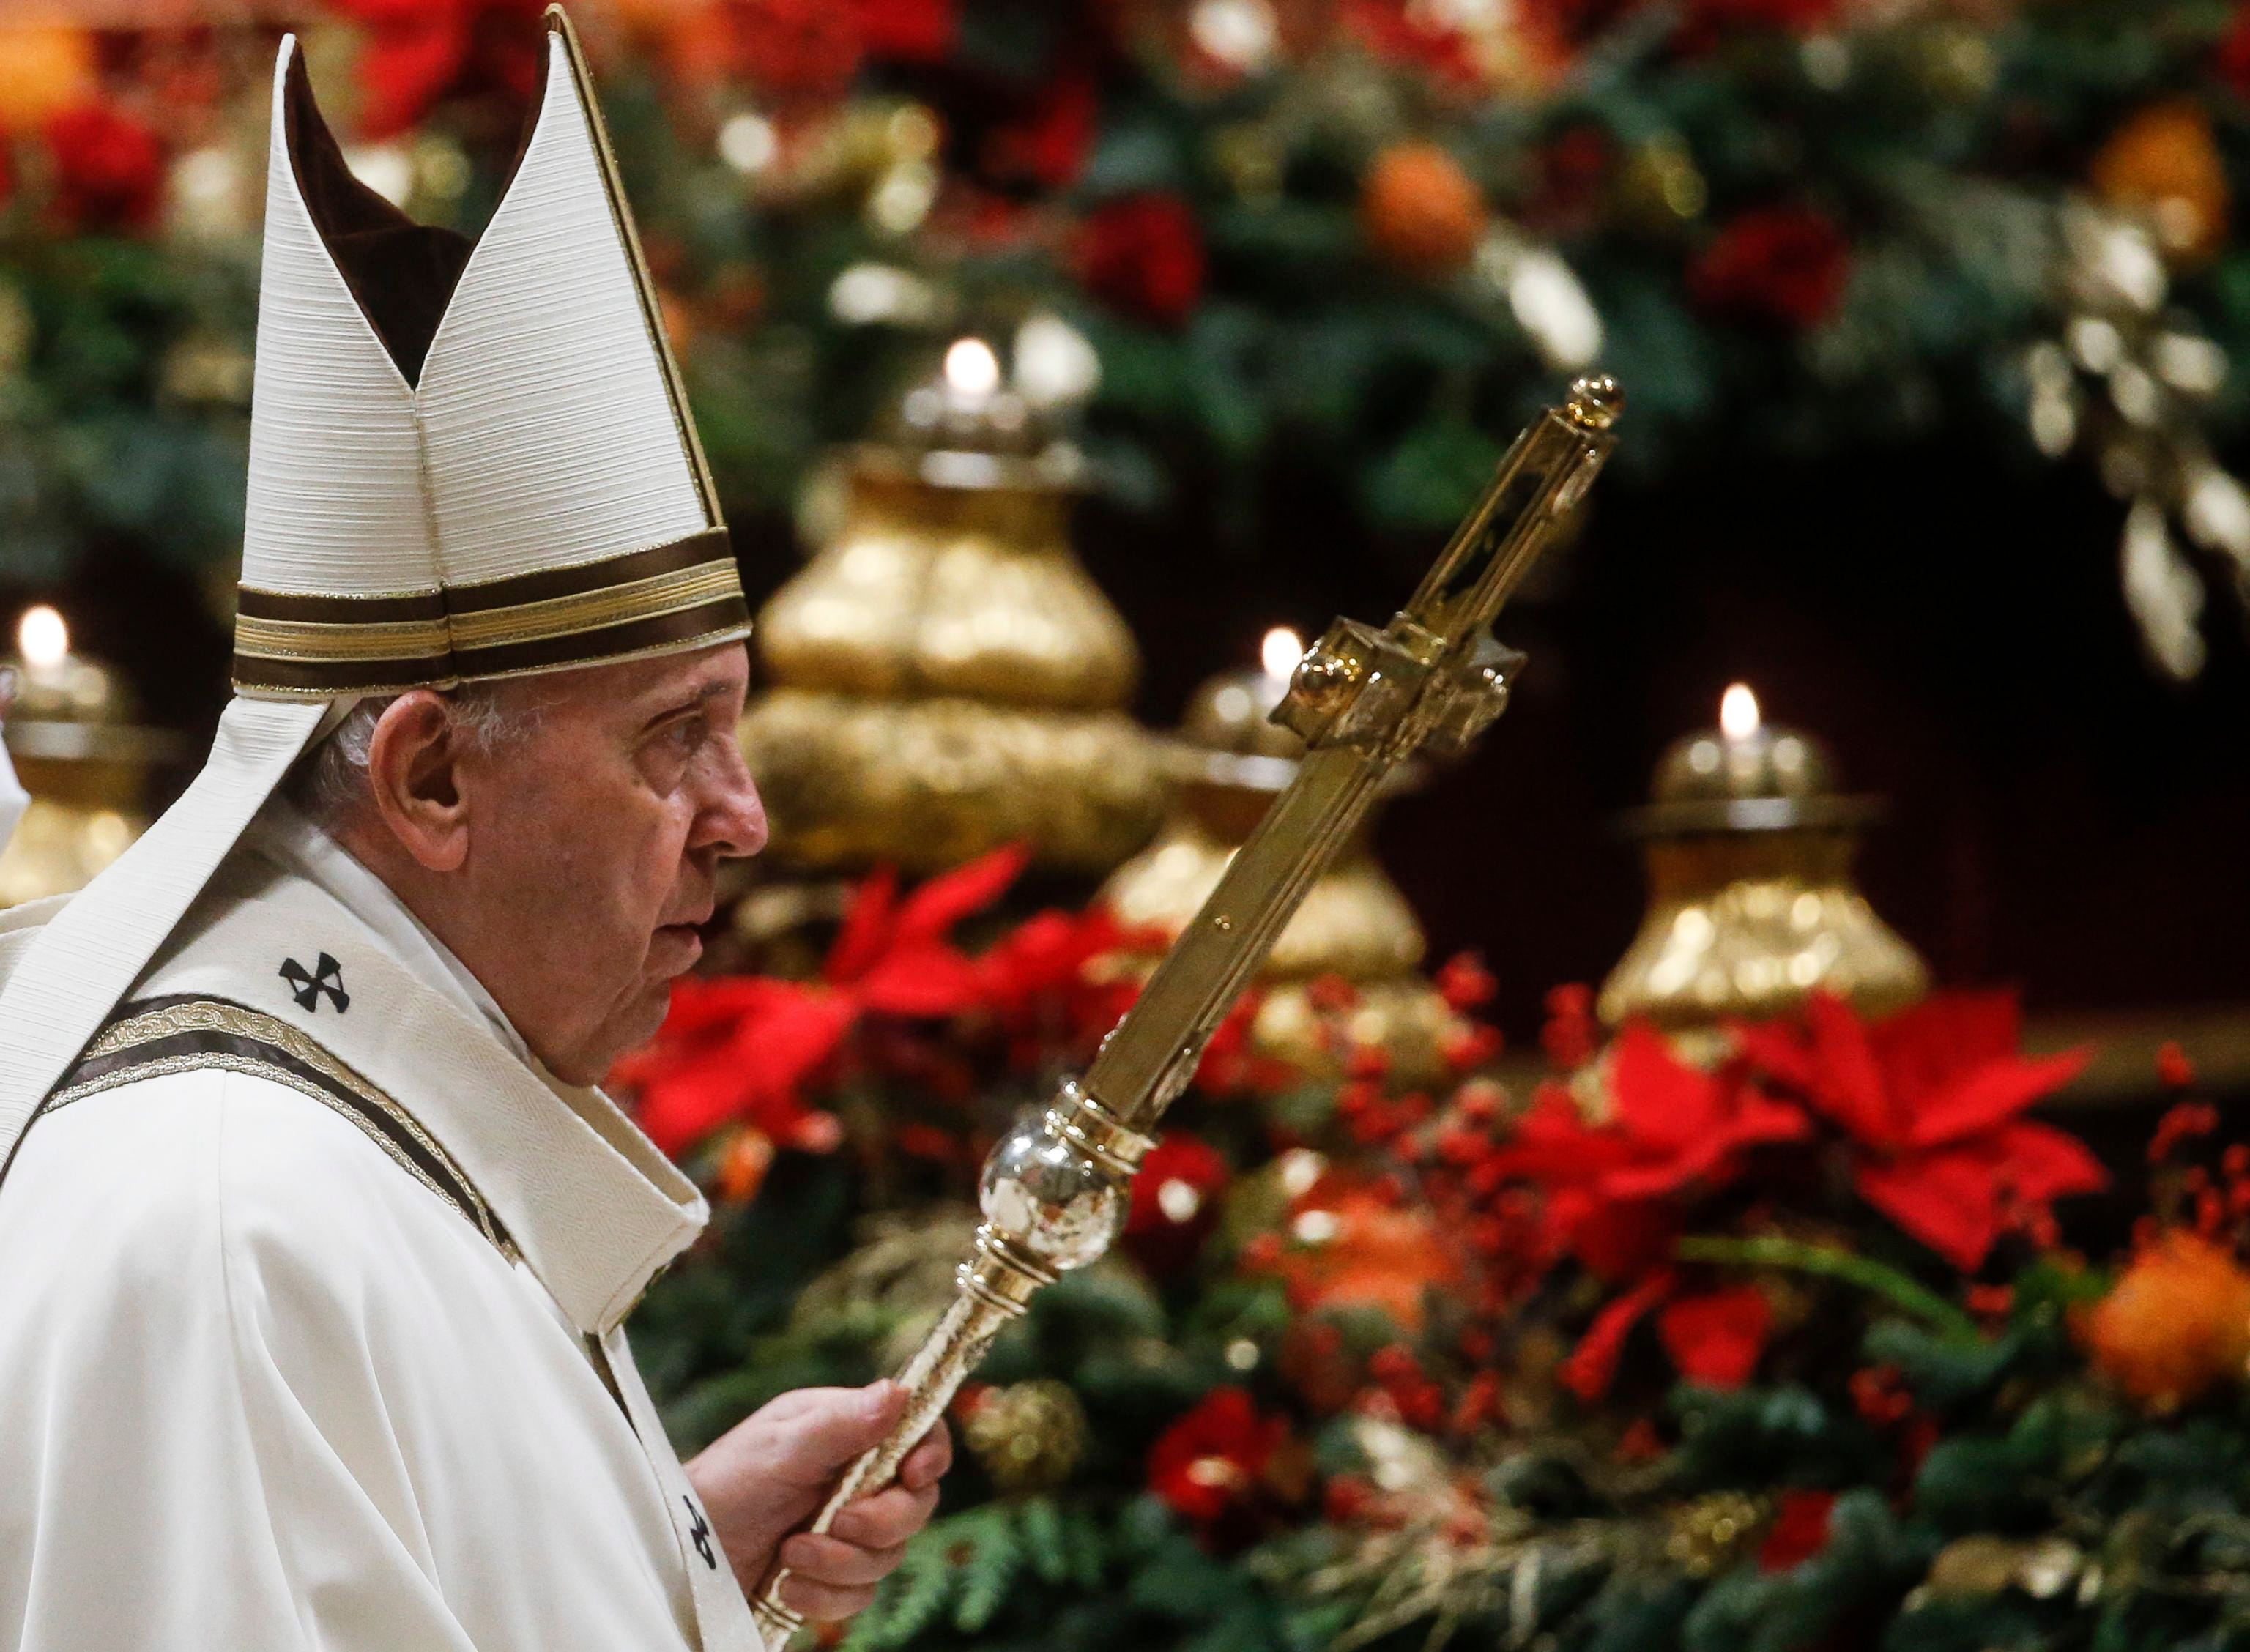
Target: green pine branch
(959,1570)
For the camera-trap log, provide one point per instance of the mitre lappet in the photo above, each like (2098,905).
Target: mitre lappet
(468,460)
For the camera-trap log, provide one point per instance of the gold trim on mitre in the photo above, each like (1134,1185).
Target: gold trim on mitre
(667,598)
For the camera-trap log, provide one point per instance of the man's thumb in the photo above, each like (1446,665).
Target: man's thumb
(881,1401)
(857,1421)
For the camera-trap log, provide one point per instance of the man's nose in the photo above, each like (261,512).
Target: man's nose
(733,817)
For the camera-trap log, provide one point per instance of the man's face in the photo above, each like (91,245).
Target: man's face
(593,846)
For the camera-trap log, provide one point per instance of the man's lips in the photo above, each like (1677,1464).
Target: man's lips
(685,935)
(675,948)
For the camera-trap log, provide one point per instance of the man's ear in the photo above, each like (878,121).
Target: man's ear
(412,772)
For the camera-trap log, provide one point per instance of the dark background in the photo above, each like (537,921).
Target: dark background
(2060,818)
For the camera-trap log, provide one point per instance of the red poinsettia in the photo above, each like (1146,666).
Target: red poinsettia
(734,1049)
(109,170)
(1592,1365)
(421,51)
(1612,1191)
(739,1048)
(1055,984)
(1142,254)
(1786,264)
(1716,1338)
(1213,1459)
(1047,144)
(1801,1530)
(1933,1102)
(1175,1202)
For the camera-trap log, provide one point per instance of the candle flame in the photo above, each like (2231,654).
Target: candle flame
(42,638)
(1738,712)
(1281,651)
(971,368)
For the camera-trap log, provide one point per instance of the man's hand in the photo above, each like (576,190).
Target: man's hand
(771,1473)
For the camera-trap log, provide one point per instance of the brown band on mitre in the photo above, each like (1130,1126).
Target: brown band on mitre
(254,603)
(667,598)
(710,546)
(263,677)
(726,620)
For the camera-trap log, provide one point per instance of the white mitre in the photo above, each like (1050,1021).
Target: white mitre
(465,463)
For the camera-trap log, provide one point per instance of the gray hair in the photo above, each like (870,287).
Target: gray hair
(329,783)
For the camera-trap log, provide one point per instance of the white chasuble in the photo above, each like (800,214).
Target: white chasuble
(310,1293)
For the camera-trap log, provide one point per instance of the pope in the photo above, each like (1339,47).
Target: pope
(316,1237)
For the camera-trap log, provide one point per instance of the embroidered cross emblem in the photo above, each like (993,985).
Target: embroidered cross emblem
(326,976)
(700,1530)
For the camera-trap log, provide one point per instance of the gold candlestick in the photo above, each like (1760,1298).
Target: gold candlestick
(947,678)
(1055,1192)
(1751,903)
(77,751)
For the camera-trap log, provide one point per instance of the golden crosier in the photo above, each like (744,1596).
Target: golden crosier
(1054,1193)
(1230,763)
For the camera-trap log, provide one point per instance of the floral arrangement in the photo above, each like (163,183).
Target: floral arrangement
(1347,242)
(1768,1336)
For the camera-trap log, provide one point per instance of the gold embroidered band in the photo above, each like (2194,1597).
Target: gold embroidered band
(685,595)
(157,1037)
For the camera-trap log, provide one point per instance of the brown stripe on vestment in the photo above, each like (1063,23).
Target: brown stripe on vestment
(155,1037)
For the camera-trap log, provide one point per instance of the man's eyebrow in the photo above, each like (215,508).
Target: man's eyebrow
(690,701)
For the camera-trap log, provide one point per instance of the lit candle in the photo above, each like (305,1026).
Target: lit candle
(1279,654)
(1229,712)
(1738,712)
(972,372)
(43,642)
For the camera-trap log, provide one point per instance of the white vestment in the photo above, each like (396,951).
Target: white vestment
(309,1313)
